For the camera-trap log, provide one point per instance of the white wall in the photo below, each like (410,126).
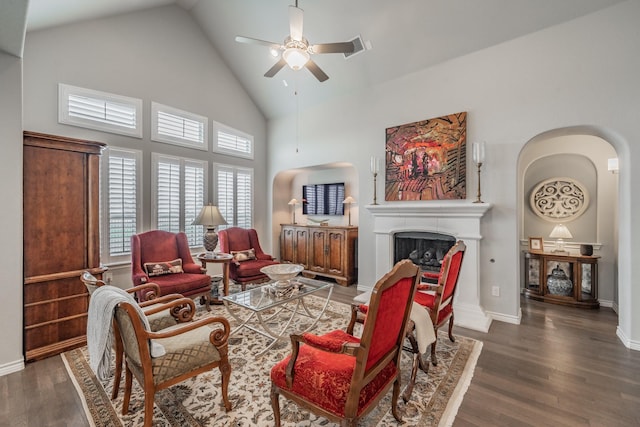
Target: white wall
(579,73)
(157,55)
(11,195)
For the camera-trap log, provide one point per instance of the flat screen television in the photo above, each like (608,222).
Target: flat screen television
(323,199)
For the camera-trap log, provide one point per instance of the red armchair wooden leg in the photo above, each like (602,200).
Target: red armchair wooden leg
(275,405)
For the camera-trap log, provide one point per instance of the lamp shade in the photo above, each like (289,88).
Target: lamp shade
(349,200)
(209,216)
(560,231)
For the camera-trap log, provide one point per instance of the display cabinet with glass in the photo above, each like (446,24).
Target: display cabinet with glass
(561,279)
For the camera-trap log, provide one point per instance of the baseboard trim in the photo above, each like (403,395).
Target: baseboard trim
(501,317)
(11,367)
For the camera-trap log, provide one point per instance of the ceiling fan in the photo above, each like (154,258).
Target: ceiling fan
(296,50)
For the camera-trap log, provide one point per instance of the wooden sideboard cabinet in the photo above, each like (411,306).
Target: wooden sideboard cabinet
(561,279)
(61,240)
(328,251)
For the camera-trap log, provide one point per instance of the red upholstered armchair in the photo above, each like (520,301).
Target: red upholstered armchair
(342,377)
(164,258)
(236,239)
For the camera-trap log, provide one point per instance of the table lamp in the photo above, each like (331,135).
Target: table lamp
(347,201)
(560,232)
(293,202)
(209,216)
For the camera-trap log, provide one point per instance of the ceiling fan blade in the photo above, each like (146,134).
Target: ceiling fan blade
(295,22)
(242,39)
(316,71)
(276,67)
(343,47)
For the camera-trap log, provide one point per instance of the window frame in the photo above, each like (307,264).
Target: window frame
(219,127)
(156,158)
(65,116)
(233,222)
(105,227)
(156,136)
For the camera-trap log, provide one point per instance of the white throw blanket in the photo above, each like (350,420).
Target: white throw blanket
(100,327)
(425,334)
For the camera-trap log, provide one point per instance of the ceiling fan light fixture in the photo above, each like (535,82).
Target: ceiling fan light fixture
(296,58)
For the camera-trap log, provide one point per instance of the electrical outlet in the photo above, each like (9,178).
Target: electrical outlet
(495,291)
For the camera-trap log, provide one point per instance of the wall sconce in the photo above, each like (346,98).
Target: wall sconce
(375,167)
(293,202)
(348,201)
(612,165)
(560,232)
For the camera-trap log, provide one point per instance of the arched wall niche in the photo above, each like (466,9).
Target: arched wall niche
(581,155)
(288,184)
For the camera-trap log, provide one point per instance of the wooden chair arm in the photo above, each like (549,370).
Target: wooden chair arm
(217,337)
(356,317)
(429,287)
(181,308)
(154,293)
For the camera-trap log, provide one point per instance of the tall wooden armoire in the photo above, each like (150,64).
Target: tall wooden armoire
(61,240)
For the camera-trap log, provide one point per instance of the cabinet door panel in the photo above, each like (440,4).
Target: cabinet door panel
(300,246)
(317,250)
(287,244)
(336,255)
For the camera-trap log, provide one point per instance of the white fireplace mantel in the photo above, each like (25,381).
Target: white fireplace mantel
(458,218)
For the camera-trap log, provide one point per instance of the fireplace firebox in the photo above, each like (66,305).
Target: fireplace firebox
(423,248)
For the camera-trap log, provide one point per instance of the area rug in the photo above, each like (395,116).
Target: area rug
(198,402)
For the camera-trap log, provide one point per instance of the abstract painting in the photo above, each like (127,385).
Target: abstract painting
(427,160)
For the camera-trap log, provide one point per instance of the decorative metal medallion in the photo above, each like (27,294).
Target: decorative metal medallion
(559,199)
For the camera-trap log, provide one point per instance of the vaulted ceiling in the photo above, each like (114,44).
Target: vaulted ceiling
(404,36)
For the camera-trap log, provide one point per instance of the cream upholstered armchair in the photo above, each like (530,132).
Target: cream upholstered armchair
(158,315)
(189,349)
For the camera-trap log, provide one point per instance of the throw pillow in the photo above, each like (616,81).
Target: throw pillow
(244,255)
(164,267)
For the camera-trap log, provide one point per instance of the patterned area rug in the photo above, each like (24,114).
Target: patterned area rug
(197,401)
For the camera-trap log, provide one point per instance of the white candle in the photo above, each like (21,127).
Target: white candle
(374,165)
(478,152)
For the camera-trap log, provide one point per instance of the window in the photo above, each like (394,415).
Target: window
(178,127)
(121,195)
(179,187)
(99,110)
(232,142)
(234,195)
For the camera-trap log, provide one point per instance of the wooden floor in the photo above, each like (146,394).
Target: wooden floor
(561,367)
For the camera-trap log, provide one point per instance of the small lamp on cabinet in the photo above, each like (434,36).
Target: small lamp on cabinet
(348,201)
(293,202)
(560,232)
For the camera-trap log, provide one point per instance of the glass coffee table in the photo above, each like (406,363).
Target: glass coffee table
(256,308)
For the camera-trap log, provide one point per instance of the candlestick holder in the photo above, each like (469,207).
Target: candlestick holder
(375,199)
(478,199)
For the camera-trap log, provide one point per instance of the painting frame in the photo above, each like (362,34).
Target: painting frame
(535,244)
(427,160)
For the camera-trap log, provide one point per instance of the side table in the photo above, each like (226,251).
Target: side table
(218,258)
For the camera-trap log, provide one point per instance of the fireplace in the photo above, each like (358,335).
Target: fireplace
(442,223)
(425,249)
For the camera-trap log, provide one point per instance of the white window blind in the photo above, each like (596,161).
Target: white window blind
(232,142)
(194,193)
(234,195)
(179,127)
(180,189)
(121,195)
(99,110)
